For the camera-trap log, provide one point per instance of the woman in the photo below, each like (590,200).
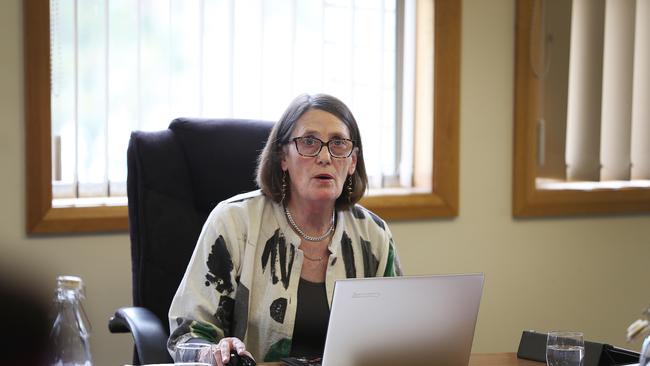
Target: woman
(264,267)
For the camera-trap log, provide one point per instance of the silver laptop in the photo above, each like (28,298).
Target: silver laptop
(426,320)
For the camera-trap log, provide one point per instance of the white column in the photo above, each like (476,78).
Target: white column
(618,61)
(641,94)
(585,86)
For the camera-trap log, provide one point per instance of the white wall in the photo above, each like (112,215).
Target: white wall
(580,273)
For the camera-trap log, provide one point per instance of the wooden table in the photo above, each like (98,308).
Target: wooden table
(478,359)
(500,359)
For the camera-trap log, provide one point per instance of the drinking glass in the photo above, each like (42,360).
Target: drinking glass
(194,354)
(565,349)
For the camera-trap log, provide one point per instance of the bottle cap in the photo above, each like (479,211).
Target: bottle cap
(70,282)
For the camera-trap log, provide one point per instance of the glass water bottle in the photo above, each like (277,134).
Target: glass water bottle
(71,329)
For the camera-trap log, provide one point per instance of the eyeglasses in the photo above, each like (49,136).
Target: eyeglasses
(311,146)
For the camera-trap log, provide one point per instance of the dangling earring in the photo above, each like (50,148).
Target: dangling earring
(284,186)
(350,189)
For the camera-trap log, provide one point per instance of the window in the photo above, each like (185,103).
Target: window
(582,121)
(431,175)
(129,65)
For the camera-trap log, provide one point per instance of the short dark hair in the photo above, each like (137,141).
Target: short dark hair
(269,170)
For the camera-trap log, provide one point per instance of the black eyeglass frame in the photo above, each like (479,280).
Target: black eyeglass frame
(323,143)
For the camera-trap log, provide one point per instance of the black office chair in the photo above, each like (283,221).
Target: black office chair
(175,178)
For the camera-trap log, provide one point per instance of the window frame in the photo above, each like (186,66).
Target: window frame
(527,199)
(442,201)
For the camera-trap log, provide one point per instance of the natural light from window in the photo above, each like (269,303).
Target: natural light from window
(124,65)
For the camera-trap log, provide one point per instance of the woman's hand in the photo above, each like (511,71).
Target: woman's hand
(225,345)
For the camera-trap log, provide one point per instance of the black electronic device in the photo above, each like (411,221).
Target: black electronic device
(240,360)
(532,346)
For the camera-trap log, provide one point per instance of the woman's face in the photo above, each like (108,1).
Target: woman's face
(318,179)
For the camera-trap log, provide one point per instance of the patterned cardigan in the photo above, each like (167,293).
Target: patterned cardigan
(242,279)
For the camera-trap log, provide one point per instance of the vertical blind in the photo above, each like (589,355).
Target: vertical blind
(607,136)
(123,65)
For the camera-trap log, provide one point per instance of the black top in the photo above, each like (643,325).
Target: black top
(312,316)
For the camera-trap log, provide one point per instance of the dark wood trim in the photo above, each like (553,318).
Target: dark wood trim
(447,104)
(443,200)
(43,218)
(527,199)
(37,110)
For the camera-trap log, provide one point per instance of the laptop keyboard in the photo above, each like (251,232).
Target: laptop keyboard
(302,361)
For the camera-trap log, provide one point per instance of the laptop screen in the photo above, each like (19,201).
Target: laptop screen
(420,320)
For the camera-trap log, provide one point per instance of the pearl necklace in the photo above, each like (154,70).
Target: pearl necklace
(302,233)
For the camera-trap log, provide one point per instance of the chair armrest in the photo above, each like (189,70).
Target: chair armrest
(149,335)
